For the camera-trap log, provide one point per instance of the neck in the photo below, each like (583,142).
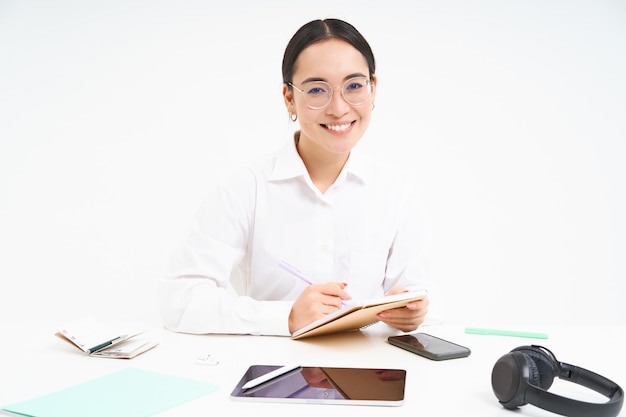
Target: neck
(323,167)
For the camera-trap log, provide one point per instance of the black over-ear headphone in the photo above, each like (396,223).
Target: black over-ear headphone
(524,375)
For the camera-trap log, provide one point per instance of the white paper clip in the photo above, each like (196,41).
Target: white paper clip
(207,360)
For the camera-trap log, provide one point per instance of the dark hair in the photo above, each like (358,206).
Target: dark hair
(319,30)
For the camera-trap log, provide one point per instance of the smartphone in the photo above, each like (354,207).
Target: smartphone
(429,346)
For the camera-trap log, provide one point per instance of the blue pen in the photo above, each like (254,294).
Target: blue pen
(293,271)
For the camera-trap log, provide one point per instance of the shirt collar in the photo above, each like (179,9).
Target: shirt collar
(289,165)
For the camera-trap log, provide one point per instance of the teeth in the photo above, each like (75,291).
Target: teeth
(338,128)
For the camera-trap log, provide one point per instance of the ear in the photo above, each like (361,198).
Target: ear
(288,97)
(374,84)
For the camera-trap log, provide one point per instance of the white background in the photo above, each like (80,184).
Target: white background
(116,115)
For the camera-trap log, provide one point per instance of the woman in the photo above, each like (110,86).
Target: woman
(349,223)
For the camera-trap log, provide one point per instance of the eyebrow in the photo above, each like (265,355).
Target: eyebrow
(347,77)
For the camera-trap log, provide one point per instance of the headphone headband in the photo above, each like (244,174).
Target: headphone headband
(524,375)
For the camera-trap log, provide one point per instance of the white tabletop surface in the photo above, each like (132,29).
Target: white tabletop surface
(34,362)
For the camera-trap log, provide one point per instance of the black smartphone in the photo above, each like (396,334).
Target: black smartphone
(429,346)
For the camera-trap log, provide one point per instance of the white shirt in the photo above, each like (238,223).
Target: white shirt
(366,230)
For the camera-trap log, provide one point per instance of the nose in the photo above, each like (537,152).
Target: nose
(338,106)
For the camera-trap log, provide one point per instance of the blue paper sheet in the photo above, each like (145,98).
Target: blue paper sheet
(127,393)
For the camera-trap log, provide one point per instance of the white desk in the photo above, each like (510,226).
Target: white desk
(33,362)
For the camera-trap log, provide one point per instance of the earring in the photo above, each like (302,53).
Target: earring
(293,117)
(373,105)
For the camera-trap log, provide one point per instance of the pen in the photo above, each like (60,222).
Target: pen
(270,375)
(105,344)
(500,332)
(293,271)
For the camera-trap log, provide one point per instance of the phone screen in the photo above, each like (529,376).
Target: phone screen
(429,346)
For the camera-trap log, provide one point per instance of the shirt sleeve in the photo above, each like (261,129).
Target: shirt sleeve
(196,305)
(197,296)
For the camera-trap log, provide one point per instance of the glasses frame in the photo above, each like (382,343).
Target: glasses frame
(331,90)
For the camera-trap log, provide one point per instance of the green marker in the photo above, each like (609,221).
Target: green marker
(499,332)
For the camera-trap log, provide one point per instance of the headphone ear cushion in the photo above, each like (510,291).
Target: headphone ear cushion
(534,373)
(544,366)
(508,379)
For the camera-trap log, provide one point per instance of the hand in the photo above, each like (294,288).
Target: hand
(316,301)
(407,318)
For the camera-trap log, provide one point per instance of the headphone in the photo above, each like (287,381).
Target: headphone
(524,375)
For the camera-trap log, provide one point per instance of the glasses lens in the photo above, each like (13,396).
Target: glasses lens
(317,94)
(356,90)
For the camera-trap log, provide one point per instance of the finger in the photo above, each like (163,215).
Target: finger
(402,315)
(336,291)
(397,289)
(418,305)
(405,325)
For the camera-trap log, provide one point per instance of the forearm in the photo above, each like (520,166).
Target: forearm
(196,305)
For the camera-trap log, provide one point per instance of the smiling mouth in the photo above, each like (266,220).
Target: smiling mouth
(339,128)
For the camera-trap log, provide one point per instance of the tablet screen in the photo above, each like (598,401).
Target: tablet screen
(325,385)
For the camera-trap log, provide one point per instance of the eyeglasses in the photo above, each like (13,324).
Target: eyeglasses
(318,94)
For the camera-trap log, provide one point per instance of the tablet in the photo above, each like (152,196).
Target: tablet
(325,385)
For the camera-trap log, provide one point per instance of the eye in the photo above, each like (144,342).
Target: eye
(315,89)
(354,85)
